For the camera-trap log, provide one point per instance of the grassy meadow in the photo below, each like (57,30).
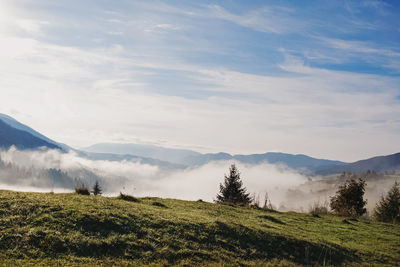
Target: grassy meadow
(68,229)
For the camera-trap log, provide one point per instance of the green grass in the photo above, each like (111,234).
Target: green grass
(70,229)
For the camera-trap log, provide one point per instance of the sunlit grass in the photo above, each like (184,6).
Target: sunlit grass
(72,229)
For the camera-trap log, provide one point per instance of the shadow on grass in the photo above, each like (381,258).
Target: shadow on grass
(272,219)
(248,244)
(132,237)
(158,204)
(128,198)
(103,226)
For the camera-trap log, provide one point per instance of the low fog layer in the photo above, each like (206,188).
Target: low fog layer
(51,170)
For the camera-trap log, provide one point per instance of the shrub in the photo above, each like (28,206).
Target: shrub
(255,201)
(388,208)
(267,203)
(127,197)
(348,200)
(318,208)
(82,190)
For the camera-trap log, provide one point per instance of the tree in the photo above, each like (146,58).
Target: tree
(348,200)
(388,208)
(97,189)
(232,191)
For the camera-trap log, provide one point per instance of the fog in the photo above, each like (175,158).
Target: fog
(203,182)
(52,170)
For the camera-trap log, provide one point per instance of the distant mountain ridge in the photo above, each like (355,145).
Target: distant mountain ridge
(378,164)
(13,133)
(192,158)
(176,156)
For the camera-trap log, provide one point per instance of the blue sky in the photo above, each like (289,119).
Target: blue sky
(313,77)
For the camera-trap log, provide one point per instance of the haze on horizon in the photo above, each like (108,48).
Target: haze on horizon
(320,78)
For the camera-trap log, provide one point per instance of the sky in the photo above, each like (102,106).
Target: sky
(320,78)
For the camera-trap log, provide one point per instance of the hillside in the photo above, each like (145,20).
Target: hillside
(379,164)
(59,229)
(22,127)
(10,136)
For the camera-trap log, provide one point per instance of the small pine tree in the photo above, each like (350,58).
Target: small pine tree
(97,189)
(232,191)
(388,208)
(348,200)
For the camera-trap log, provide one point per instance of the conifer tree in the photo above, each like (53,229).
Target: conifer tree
(232,191)
(348,200)
(388,208)
(97,189)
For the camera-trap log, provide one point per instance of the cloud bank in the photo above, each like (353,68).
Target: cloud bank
(287,189)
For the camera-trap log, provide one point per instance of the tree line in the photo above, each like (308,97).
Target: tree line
(348,200)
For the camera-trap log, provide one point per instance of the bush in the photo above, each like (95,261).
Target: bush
(388,208)
(82,190)
(255,201)
(348,200)
(267,203)
(127,197)
(318,208)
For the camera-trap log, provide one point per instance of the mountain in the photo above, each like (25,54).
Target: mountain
(299,162)
(14,133)
(176,156)
(192,158)
(166,165)
(378,164)
(17,125)
(21,136)
(11,136)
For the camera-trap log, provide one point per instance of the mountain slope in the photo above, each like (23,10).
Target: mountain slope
(128,157)
(14,133)
(192,158)
(154,155)
(17,125)
(377,164)
(10,136)
(149,151)
(74,230)
(293,161)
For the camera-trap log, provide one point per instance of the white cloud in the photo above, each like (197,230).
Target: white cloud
(32,27)
(359,47)
(267,19)
(145,180)
(110,92)
(94,96)
(286,188)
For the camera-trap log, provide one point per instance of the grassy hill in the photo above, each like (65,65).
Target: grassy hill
(69,229)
